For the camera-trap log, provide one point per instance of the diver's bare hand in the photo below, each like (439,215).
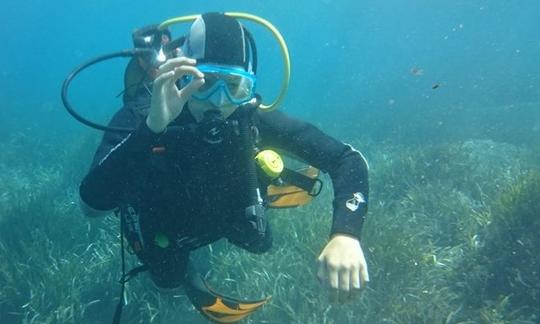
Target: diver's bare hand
(167,100)
(343,267)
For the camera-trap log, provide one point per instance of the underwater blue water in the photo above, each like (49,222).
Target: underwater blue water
(367,65)
(369,72)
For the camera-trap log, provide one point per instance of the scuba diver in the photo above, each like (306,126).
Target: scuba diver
(191,171)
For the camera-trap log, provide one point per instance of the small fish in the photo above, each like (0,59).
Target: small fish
(435,86)
(417,71)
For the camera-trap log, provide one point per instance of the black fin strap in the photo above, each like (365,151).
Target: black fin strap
(301,181)
(133,273)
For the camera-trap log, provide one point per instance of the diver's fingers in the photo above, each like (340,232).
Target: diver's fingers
(321,271)
(355,279)
(175,62)
(344,280)
(355,283)
(333,276)
(364,275)
(193,86)
(180,71)
(328,275)
(160,80)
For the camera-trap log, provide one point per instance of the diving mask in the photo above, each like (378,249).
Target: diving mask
(224,85)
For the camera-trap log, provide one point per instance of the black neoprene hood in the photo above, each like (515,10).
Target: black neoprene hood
(219,39)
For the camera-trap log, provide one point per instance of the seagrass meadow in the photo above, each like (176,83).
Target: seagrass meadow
(450,238)
(442,97)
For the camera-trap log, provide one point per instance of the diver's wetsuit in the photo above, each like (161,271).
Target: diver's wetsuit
(190,192)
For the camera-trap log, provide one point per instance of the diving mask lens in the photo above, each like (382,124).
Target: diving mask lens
(235,83)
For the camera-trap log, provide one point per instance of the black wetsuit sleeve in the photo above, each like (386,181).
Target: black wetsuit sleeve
(346,166)
(118,160)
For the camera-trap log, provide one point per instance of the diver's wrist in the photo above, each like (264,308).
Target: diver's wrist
(351,236)
(156,128)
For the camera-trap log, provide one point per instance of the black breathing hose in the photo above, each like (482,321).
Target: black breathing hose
(254,211)
(77,70)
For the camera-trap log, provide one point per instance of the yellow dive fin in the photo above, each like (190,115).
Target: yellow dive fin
(298,188)
(220,309)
